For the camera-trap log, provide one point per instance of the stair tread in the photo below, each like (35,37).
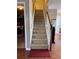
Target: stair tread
(43,38)
(39,44)
(39,48)
(39,38)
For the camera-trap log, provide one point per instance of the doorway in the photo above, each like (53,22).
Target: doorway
(20,26)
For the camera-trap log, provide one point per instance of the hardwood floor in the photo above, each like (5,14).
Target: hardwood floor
(20,41)
(56,49)
(55,54)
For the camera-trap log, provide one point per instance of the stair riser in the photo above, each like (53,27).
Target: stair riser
(39,38)
(39,23)
(39,35)
(41,30)
(38,32)
(39,47)
(39,26)
(39,42)
(34,37)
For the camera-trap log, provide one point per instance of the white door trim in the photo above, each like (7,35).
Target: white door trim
(24,25)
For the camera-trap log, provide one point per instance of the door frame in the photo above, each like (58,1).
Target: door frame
(25,28)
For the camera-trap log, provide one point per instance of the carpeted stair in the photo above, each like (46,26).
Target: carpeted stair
(39,38)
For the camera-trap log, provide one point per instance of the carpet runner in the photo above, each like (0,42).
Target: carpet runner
(39,53)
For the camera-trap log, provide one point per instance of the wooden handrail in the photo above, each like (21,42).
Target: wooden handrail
(49,19)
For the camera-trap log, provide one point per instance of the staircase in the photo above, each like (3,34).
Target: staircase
(39,38)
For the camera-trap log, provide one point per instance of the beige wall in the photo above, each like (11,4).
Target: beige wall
(52,13)
(40,4)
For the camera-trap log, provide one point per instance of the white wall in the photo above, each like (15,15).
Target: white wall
(58,22)
(52,13)
(31,20)
(54,4)
(55,14)
(27,23)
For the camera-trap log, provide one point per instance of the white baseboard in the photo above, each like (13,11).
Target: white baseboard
(28,49)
